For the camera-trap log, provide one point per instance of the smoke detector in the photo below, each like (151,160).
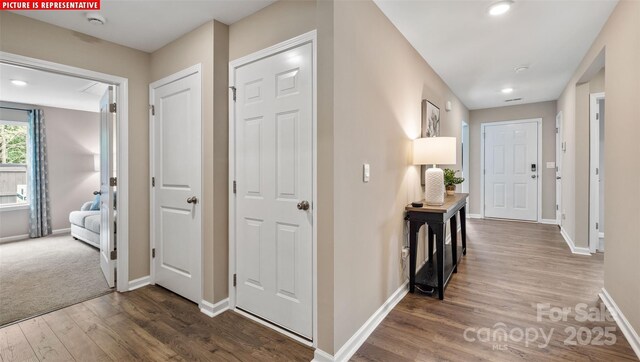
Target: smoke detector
(96,19)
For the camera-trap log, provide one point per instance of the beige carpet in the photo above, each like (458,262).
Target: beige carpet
(45,274)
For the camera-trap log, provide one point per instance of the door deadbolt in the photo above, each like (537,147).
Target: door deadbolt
(303,205)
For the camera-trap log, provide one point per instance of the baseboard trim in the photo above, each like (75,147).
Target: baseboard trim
(139,283)
(8,239)
(548,221)
(213,310)
(61,231)
(474,216)
(361,335)
(622,321)
(572,246)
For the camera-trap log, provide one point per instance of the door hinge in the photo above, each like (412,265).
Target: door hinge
(597,171)
(556,130)
(557,207)
(113,181)
(234,279)
(597,116)
(153,109)
(113,108)
(597,226)
(234,186)
(153,252)
(153,182)
(113,255)
(233,89)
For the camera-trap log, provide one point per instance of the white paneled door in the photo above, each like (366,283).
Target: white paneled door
(107,235)
(273,165)
(511,171)
(177,210)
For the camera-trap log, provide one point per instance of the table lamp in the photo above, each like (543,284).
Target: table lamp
(434,151)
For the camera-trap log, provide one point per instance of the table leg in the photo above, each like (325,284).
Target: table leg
(430,237)
(414,227)
(454,242)
(463,229)
(438,229)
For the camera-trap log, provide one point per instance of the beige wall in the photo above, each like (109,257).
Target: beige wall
(544,110)
(32,38)
(198,47)
(620,37)
(380,81)
(73,137)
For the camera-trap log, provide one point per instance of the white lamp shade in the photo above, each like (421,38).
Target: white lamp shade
(434,151)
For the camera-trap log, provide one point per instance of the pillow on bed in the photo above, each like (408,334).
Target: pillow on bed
(96,203)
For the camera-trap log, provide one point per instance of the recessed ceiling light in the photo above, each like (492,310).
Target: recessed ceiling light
(521,68)
(96,19)
(507,90)
(20,83)
(500,7)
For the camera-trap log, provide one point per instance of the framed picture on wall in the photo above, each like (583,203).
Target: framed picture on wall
(430,119)
(430,126)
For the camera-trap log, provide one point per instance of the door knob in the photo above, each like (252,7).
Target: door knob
(534,176)
(192,200)
(97,193)
(303,205)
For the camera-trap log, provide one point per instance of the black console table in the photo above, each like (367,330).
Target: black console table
(435,273)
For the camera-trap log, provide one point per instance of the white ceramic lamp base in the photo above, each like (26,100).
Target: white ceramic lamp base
(434,186)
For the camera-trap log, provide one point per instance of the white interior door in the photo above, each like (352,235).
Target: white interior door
(107,236)
(274,163)
(511,171)
(559,154)
(177,211)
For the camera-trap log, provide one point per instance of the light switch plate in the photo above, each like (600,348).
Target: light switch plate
(365,172)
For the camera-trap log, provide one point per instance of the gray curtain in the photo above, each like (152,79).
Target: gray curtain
(40,213)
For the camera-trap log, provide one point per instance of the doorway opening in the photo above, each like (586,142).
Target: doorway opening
(112,264)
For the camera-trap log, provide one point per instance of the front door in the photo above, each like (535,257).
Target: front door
(177,211)
(511,171)
(273,165)
(107,227)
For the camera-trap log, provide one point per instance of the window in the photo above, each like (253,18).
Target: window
(13,163)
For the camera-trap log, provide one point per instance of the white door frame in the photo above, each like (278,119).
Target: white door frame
(559,170)
(194,69)
(306,38)
(538,121)
(122,145)
(465,156)
(594,163)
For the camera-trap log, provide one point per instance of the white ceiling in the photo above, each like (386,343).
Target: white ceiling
(148,25)
(476,53)
(49,89)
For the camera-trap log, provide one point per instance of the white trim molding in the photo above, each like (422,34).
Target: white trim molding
(474,216)
(361,335)
(548,221)
(574,249)
(622,321)
(9,239)
(139,283)
(61,231)
(213,310)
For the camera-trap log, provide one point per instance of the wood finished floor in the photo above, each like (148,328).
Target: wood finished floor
(509,267)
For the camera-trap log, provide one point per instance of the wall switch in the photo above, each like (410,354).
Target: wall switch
(365,172)
(551,165)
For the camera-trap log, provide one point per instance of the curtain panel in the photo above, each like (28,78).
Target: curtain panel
(40,212)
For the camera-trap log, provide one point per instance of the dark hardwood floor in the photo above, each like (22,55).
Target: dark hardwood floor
(510,267)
